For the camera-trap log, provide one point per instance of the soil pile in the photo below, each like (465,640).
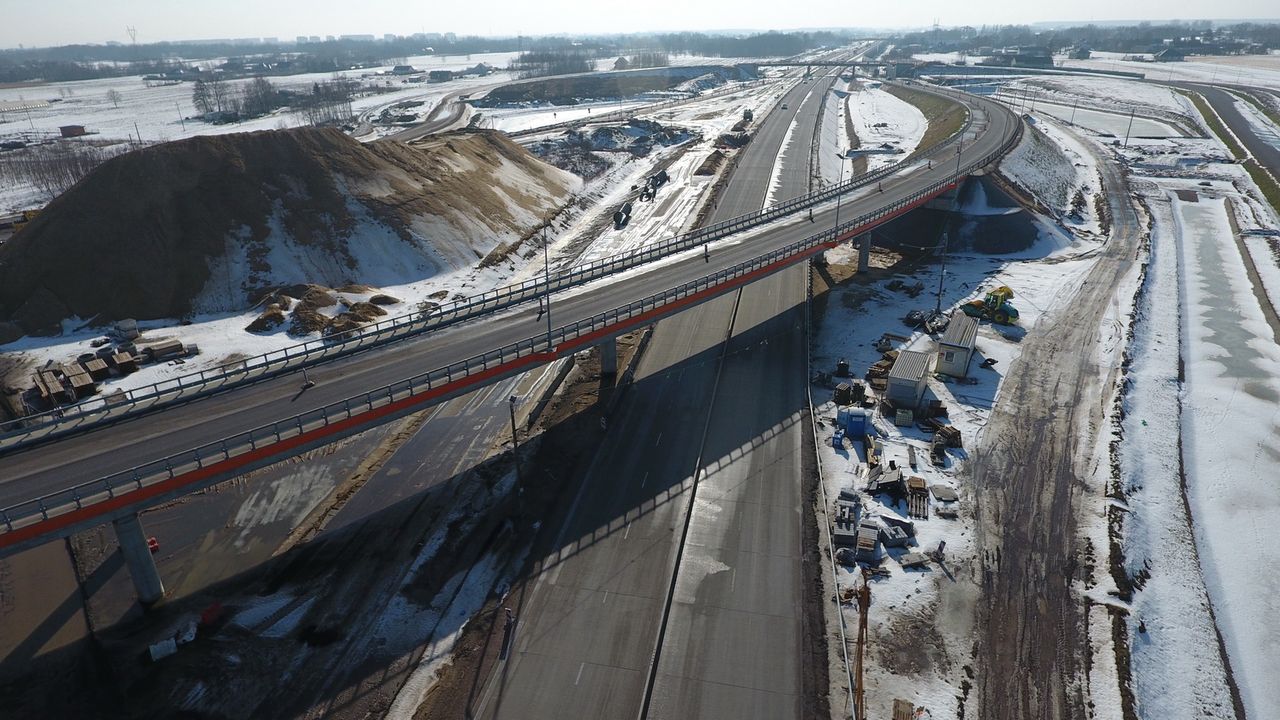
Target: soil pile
(211,223)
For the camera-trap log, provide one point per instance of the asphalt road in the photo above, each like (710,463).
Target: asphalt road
(1223,103)
(589,629)
(132,442)
(1027,478)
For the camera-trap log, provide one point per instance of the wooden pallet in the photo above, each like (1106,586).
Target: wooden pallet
(918,505)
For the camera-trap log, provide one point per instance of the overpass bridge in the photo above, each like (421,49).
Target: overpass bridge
(112,472)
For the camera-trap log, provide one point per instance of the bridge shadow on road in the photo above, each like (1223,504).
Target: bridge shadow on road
(335,658)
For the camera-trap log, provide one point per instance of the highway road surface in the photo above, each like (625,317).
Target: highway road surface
(659,601)
(1224,103)
(115,448)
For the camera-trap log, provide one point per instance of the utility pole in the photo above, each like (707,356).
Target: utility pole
(942,252)
(1126,130)
(181,119)
(1072,121)
(959,150)
(864,602)
(515,441)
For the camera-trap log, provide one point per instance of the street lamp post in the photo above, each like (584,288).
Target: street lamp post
(959,150)
(546,264)
(515,439)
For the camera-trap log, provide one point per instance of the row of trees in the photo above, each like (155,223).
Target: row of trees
(1140,37)
(539,63)
(253,99)
(642,60)
(54,167)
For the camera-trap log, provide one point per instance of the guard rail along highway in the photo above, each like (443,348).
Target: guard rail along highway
(29,523)
(47,426)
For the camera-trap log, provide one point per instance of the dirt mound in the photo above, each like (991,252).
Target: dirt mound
(210,223)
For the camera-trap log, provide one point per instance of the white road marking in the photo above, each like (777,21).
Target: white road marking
(658,441)
(644,479)
(605,599)
(626,532)
(577,679)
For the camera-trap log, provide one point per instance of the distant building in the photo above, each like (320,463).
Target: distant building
(69,131)
(301,39)
(403,70)
(358,38)
(1079,52)
(1170,55)
(440,75)
(1022,56)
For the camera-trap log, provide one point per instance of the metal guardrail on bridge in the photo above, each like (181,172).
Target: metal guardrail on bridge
(38,428)
(126,491)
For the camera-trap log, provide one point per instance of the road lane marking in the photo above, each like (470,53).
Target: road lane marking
(644,479)
(576,680)
(658,441)
(627,531)
(605,599)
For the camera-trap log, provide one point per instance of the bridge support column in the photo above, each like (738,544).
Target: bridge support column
(609,358)
(864,253)
(137,556)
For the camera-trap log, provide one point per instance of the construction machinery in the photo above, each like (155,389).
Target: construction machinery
(994,307)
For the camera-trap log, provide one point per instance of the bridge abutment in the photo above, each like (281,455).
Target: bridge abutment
(137,556)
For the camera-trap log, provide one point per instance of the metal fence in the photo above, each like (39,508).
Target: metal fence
(229,448)
(34,428)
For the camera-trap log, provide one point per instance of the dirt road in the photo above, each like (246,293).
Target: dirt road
(1027,478)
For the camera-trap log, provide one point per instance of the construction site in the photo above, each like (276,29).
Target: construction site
(834,384)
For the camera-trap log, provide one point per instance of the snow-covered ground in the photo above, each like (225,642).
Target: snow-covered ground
(1261,70)
(881,119)
(1198,531)
(905,601)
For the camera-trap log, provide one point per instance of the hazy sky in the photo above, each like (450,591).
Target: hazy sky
(58,22)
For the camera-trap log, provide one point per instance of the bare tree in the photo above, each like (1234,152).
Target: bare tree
(259,97)
(201,98)
(113,97)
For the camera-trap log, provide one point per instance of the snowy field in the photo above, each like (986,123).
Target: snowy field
(1104,123)
(881,119)
(1261,70)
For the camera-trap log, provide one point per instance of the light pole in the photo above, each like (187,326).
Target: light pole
(1126,130)
(546,264)
(959,150)
(839,190)
(515,439)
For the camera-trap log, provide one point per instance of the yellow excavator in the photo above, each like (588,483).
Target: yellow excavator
(994,307)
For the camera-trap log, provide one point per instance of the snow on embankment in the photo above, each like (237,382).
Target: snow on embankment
(1056,170)
(212,223)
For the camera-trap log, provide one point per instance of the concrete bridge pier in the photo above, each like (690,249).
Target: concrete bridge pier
(864,252)
(609,358)
(137,556)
